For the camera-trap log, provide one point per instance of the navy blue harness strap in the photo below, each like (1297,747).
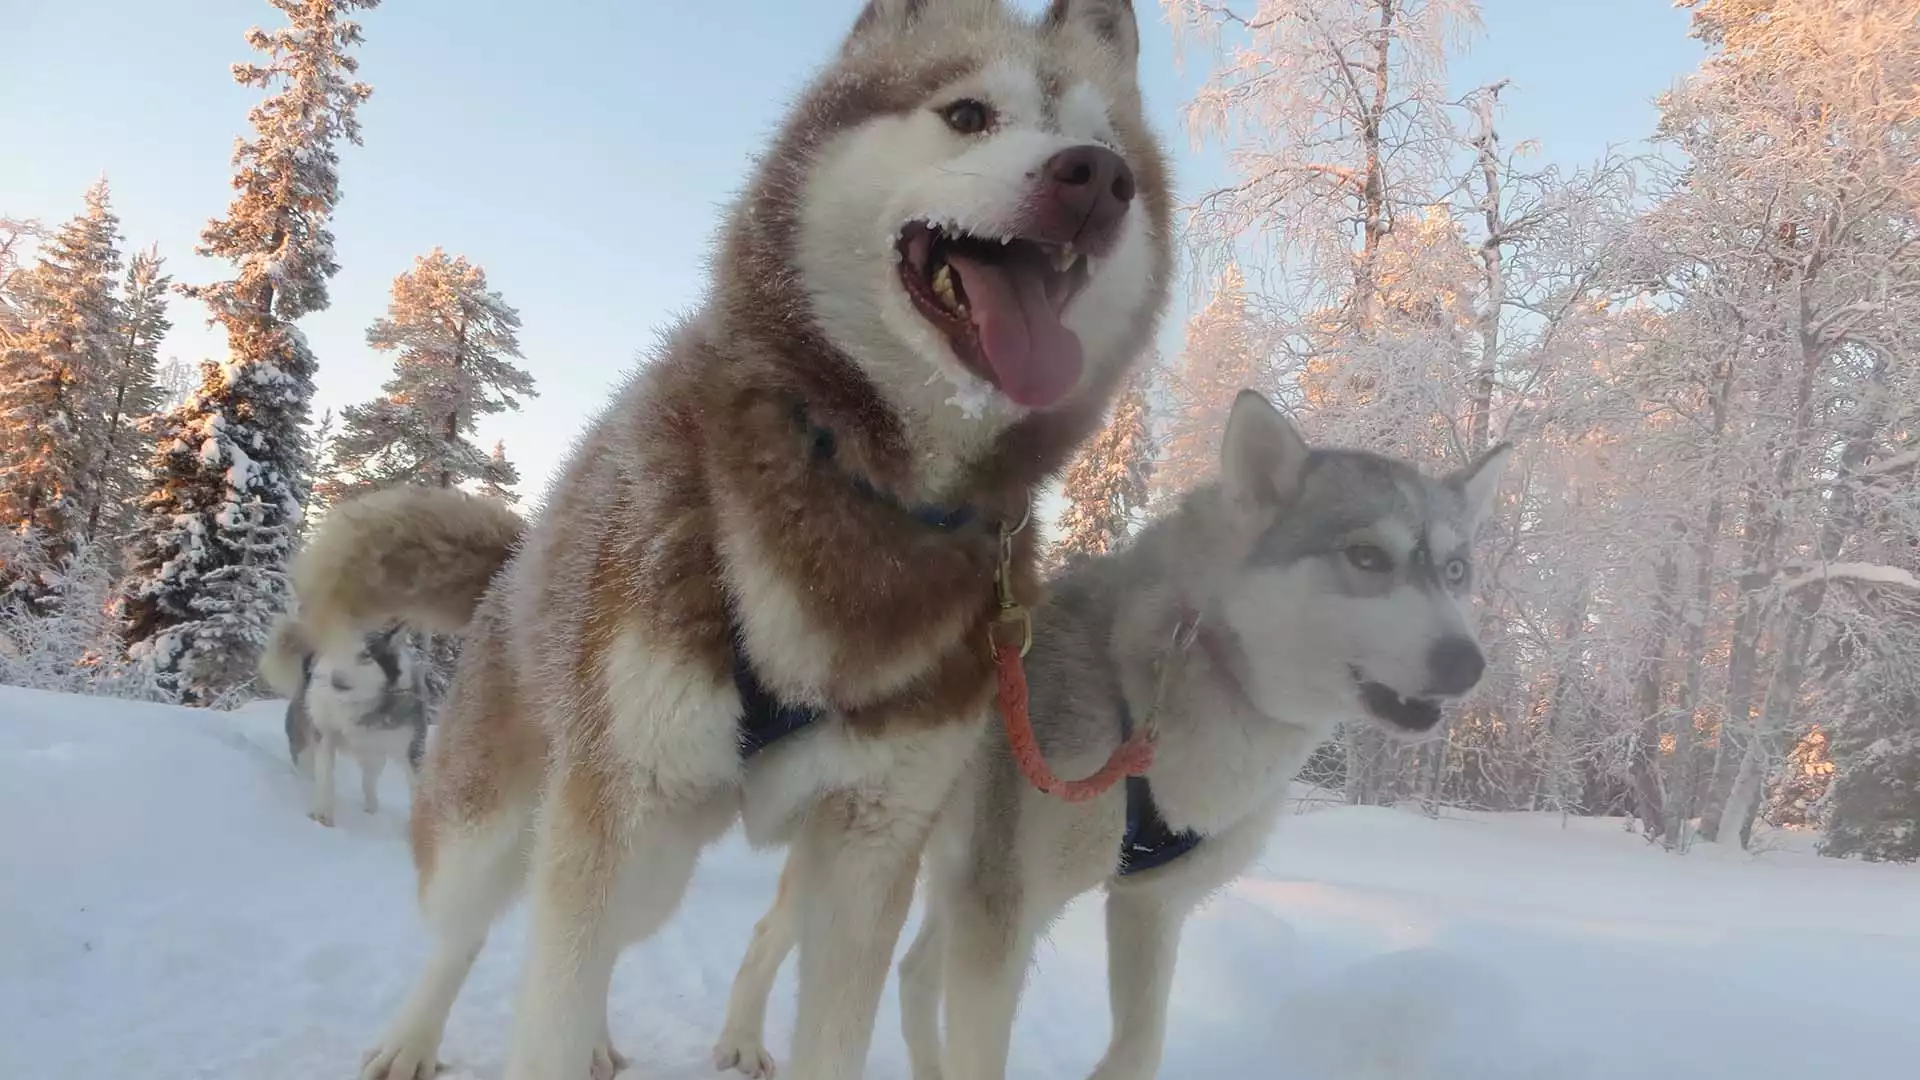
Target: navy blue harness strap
(764,718)
(1148,842)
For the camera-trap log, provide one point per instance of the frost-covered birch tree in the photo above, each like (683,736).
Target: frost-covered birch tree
(230,475)
(1334,117)
(1223,354)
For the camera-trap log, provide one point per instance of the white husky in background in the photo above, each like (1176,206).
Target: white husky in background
(367,701)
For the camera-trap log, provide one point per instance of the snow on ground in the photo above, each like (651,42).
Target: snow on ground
(167,911)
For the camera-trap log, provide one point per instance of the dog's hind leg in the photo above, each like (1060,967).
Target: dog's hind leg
(320,797)
(371,764)
(988,948)
(920,976)
(470,872)
(1143,941)
(742,1044)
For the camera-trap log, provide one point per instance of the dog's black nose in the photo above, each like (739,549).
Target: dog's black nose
(1455,665)
(1085,192)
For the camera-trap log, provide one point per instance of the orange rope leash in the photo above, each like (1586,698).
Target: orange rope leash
(1130,758)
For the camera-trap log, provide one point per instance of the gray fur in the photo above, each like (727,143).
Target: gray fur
(1285,619)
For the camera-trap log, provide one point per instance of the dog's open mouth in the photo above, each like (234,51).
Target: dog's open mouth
(999,303)
(1385,703)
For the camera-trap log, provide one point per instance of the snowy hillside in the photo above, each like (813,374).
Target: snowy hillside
(166,911)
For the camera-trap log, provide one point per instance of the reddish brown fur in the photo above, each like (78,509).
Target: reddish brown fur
(718,415)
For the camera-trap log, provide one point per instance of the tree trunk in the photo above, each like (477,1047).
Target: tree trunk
(1776,713)
(1493,272)
(1373,196)
(1682,783)
(1643,767)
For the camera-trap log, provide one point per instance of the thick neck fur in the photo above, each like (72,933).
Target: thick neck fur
(1222,753)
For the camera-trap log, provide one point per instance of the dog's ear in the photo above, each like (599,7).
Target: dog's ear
(881,19)
(1480,479)
(1112,21)
(1262,457)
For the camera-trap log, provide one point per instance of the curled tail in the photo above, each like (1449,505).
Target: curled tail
(419,555)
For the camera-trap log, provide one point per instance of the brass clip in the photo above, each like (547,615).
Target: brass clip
(1011,610)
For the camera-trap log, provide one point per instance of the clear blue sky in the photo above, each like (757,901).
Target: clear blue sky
(581,151)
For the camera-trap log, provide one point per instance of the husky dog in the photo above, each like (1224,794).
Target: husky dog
(761,586)
(1307,587)
(368,701)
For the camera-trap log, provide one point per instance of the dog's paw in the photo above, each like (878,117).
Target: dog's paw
(1131,1070)
(744,1054)
(401,1060)
(606,1062)
(322,818)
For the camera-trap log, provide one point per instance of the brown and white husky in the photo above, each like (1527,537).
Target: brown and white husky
(762,585)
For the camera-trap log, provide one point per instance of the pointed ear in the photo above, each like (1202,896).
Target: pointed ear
(1262,457)
(1112,21)
(1478,482)
(881,19)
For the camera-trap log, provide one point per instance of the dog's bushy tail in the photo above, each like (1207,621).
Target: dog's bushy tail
(283,664)
(419,555)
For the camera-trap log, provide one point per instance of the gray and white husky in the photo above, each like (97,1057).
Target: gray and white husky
(369,702)
(1306,587)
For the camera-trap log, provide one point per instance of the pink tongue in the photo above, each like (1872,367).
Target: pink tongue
(1035,359)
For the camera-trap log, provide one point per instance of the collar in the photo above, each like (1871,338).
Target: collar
(823,449)
(1219,644)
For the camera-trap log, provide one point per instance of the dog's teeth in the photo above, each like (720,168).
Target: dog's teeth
(943,287)
(1064,257)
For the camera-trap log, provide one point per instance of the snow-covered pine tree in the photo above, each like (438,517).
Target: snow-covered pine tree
(1222,357)
(320,455)
(502,476)
(210,549)
(1106,486)
(1872,805)
(16,236)
(52,373)
(456,341)
(130,397)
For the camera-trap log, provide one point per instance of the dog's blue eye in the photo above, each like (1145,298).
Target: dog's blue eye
(1369,558)
(1456,571)
(967,116)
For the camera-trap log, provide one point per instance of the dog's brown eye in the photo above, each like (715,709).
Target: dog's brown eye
(1455,571)
(967,116)
(1369,558)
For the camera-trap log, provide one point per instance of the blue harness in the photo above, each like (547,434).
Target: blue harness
(1148,843)
(764,718)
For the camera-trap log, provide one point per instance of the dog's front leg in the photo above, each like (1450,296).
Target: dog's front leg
(1143,940)
(855,861)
